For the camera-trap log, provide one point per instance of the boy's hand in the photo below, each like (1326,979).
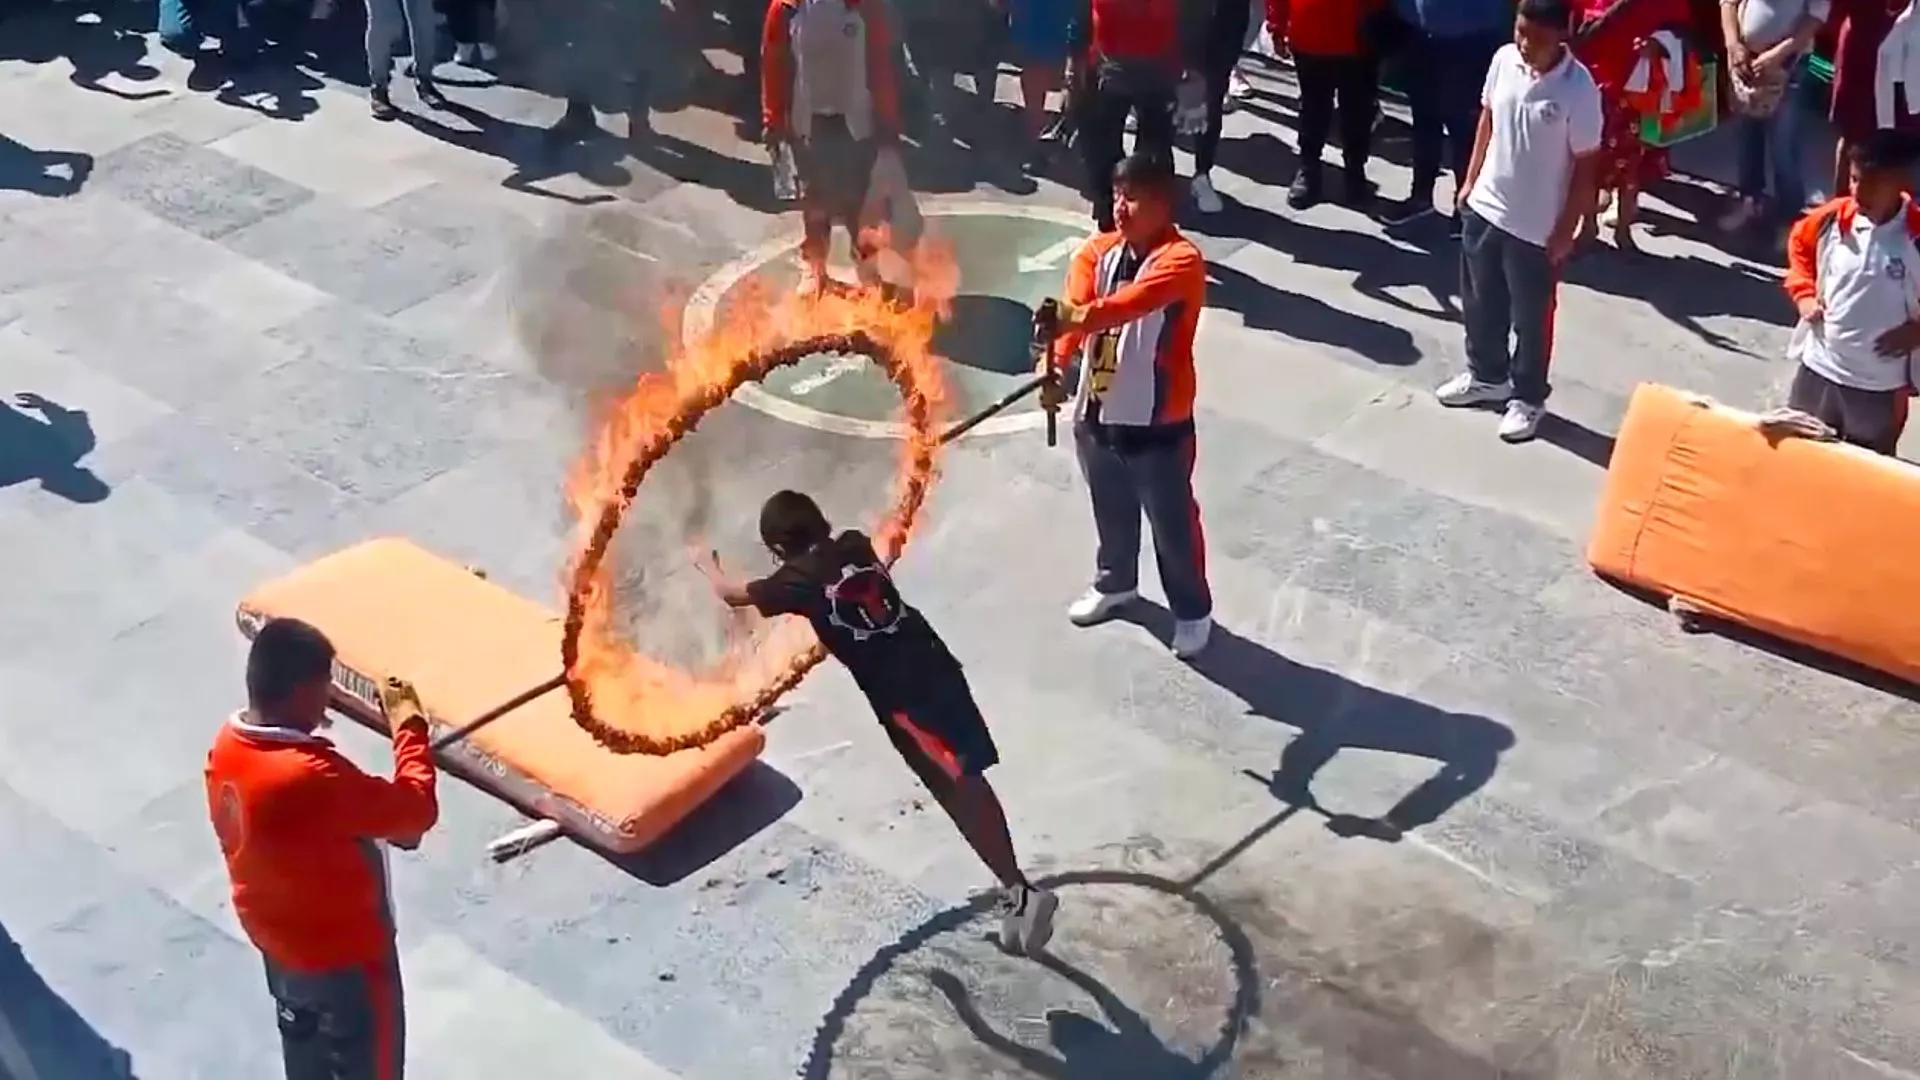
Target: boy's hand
(1899,341)
(1072,316)
(1811,309)
(708,563)
(400,702)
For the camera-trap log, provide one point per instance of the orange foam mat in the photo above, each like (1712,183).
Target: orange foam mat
(1808,541)
(469,647)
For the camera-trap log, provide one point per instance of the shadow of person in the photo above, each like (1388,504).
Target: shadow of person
(1378,265)
(1334,713)
(54,173)
(1577,439)
(1686,289)
(110,45)
(285,89)
(48,449)
(1308,318)
(532,153)
(1088,1049)
(41,1035)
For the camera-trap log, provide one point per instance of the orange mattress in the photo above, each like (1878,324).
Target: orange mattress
(470,646)
(1812,542)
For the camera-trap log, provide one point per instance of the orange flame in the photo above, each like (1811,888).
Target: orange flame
(632,702)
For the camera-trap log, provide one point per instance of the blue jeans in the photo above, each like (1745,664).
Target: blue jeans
(1507,297)
(1770,148)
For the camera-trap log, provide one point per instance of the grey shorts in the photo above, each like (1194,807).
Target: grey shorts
(834,169)
(1869,418)
(347,1024)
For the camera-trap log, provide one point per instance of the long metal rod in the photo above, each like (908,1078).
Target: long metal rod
(1006,401)
(496,713)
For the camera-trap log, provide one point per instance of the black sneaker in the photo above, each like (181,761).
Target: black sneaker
(1304,192)
(381,105)
(430,96)
(1359,190)
(1026,919)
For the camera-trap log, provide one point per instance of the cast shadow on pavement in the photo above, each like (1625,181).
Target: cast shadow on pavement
(48,449)
(98,38)
(1334,713)
(38,172)
(41,1036)
(1686,289)
(1089,1048)
(534,155)
(749,803)
(1414,255)
(1308,318)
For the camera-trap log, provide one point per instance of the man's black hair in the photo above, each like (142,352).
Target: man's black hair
(1553,14)
(791,522)
(1147,172)
(286,655)
(1883,149)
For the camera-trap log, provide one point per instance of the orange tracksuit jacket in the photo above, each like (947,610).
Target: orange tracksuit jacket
(297,822)
(1148,377)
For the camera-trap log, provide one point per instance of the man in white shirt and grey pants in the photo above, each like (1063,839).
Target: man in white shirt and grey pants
(1531,178)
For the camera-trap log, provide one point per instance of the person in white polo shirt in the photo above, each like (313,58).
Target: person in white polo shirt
(1532,174)
(1854,273)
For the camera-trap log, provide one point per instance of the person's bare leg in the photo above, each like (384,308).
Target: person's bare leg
(1842,175)
(1623,223)
(975,809)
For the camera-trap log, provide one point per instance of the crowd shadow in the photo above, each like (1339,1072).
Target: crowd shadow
(1377,263)
(1333,713)
(53,173)
(760,796)
(1685,289)
(532,151)
(99,38)
(43,1036)
(48,448)
(1308,318)
(1089,1048)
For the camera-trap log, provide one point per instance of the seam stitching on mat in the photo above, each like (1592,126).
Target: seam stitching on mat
(1653,500)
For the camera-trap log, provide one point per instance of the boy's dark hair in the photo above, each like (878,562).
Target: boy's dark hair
(790,523)
(286,655)
(1883,149)
(1147,172)
(1554,14)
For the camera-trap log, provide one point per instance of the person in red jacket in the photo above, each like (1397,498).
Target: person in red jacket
(1131,310)
(300,828)
(1333,60)
(828,94)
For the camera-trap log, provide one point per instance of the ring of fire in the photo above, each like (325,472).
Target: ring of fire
(633,703)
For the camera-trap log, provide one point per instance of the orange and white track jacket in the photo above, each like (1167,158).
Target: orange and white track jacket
(1136,347)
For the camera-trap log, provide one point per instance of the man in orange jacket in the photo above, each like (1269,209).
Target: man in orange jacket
(300,827)
(1334,60)
(1130,313)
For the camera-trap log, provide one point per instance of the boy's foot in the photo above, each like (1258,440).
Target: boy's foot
(813,282)
(1304,192)
(1744,213)
(1026,919)
(430,96)
(1190,636)
(1097,607)
(1522,421)
(381,105)
(1463,390)
(1205,199)
(466,52)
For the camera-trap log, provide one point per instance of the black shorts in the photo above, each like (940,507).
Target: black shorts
(943,736)
(1869,418)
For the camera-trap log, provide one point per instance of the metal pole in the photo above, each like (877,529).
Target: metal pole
(496,713)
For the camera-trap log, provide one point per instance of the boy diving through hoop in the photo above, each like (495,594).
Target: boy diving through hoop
(917,688)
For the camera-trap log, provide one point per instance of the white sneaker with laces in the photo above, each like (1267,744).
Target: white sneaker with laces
(1205,199)
(1098,607)
(1463,389)
(1522,421)
(1026,919)
(1190,637)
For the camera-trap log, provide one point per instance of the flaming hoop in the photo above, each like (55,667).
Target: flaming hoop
(633,703)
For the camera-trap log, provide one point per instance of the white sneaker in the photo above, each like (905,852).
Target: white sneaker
(1205,199)
(813,281)
(466,53)
(1190,637)
(1026,919)
(1522,421)
(1098,607)
(1463,389)
(1238,88)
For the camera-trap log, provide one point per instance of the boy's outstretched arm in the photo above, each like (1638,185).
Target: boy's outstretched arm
(732,593)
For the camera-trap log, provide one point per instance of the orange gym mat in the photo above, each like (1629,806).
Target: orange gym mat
(470,647)
(1809,541)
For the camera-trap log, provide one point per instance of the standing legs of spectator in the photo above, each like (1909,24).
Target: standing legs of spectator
(1226,38)
(1103,134)
(471,24)
(1444,80)
(1769,152)
(385,20)
(1351,83)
